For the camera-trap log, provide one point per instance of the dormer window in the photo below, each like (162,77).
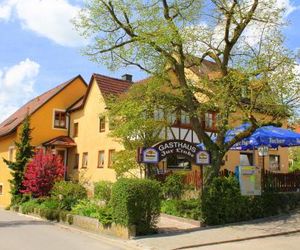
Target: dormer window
(60,119)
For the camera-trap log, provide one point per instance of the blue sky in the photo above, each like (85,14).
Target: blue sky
(40,49)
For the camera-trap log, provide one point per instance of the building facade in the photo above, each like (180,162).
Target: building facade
(70,121)
(49,122)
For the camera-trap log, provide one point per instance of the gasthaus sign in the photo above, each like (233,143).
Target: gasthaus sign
(175,147)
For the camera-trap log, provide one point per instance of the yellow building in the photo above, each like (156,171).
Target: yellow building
(69,120)
(50,124)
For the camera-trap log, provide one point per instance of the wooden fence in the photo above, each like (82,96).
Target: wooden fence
(279,182)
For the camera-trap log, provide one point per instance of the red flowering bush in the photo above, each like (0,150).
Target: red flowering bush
(41,173)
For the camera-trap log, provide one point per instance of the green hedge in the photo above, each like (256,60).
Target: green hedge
(173,186)
(136,202)
(223,203)
(182,208)
(46,208)
(102,190)
(68,194)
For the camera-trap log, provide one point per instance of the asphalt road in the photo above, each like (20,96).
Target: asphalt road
(19,232)
(290,242)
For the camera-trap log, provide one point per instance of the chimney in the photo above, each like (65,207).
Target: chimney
(127,77)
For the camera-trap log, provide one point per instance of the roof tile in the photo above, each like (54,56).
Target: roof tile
(11,123)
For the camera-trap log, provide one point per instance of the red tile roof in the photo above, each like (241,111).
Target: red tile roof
(11,123)
(65,141)
(110,85)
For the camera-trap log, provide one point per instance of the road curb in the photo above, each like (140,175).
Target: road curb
(127,244)
(240,239)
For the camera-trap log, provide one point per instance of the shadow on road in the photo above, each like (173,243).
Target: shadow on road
(19,223)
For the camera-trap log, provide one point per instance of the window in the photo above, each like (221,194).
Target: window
(76,165)
(184,118)
(60,119)
(171,118)
(111,156)
(178,161)
(84,160)
(11,153)
(1,189)
(158,114)
(75,129)
(274,162)
(101,159)
(102,124)
(246,159)
(209,120)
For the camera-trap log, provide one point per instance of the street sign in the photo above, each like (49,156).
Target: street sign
(164,149)
(203,158)
(250,180)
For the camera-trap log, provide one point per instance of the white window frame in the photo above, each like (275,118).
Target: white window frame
(53,119)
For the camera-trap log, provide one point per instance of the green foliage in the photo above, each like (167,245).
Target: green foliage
(125,163)
(68,194)
(182,208)
(294,155)
(136,202)
(223,203)
(30,205)
(102,190)
(173,187)
(160,36)
(50,213)
(50,203)
(23,155)
(92,209)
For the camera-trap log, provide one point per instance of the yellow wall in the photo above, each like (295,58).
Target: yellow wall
(42,123)
(233,159)
(42,120)
(92,141)
(5,173)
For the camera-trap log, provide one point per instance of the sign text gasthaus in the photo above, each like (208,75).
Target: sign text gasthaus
(175,147)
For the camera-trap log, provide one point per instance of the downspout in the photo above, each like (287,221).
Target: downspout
(67,153)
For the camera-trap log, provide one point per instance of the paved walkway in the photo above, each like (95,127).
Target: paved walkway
(196,238)
(169,224)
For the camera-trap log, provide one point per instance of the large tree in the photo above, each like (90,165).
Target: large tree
(234,48)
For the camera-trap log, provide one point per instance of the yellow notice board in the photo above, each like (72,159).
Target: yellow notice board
(250,180)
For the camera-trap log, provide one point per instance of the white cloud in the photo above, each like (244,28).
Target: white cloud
(6,9)
(47,18)
(287,5)
(17,86)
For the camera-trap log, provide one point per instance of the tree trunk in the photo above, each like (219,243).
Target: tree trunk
(216,164)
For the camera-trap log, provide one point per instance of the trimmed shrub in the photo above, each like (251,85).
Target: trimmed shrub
(173,187)
(182,208)
(136,202)
(102,190)
(68,194)
(223,203)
